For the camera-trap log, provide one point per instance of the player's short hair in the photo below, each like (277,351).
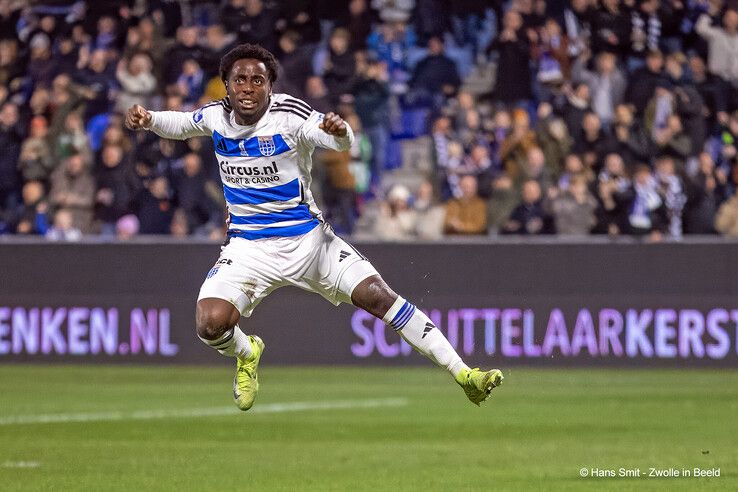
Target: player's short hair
(249,51)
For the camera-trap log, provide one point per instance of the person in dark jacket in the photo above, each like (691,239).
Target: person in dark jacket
(371,101)
(295,63)
(336,64)
(436,72)
(513,72)
(11,137)
(154,207)
(642,83)
(115,188)
(530,217)
(190,185)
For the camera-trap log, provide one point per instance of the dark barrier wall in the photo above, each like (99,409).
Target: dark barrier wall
(542,304)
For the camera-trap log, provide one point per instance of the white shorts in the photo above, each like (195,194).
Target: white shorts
(318,261)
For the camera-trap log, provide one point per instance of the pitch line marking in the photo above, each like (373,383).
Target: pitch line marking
(298,406)
(20,464)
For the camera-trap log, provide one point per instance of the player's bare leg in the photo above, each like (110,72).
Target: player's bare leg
(217,326)
(375,296)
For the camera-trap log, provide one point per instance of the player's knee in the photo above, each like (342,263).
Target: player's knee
(374,296)
(214,317)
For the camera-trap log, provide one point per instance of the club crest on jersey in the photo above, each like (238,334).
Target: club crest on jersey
(267,146)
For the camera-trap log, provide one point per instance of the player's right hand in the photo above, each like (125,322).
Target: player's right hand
(137,118)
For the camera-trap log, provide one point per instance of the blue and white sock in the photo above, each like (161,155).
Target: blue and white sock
(233,343)
(420,332)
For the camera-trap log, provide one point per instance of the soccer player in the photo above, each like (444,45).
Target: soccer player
(276,234)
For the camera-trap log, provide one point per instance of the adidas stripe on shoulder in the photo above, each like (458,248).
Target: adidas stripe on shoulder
(294,106)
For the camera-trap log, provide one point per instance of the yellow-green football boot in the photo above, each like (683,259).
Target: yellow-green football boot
(478,384)
(246,382)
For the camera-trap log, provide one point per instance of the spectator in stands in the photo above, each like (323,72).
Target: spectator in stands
(689,104)
(577,21)
(97,80)
(671,140)
(467,214)
(434,77)
(36,162)
(73,192)
(713,90)
(430,214)
(219,42)
(723,44)
(671,190)
(551,53)
(704,193)
(371,100)
(62,228)
(396,221)
(186,48)
(154,207)
(336,64)
(339,189)
(647,216)
(610,28)
(554,139)
(192,190)
(256,24)
(295,61)
(573,210)
(179,227)
(631,140)
(514,150)
(606,85)
(316,94)
(40,68)
(11,138)
(645,32)
(390,44)
(530,217)
(358,21)
(137,81)
(593,143)
(726,220)
(127,227)
(393,10)
(513,85)
(615,195)
(33,216)
(502,202)
(146,37)
(573,166)
(190,83)
(71,139)
(642,83)
(108,35)
(301,17)
(115,188)
(11,66)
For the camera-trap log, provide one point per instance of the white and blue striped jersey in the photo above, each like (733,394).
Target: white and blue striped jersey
(265,167)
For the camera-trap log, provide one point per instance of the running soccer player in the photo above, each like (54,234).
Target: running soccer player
(276,234)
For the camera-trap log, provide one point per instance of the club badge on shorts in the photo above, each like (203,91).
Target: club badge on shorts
(267,146)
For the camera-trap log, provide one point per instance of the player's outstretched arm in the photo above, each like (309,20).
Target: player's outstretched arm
(137,118)
(329,131)
(176,125)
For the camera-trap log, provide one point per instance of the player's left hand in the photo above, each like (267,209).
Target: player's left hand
(333,125)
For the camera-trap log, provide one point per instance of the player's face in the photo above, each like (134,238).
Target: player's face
(248,90)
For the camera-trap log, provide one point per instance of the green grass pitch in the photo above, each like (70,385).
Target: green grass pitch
(381,429)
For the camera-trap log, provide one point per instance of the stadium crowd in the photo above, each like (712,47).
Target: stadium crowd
(525,116)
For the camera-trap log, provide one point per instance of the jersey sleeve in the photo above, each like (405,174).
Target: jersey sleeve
(179,125)
(313,136)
